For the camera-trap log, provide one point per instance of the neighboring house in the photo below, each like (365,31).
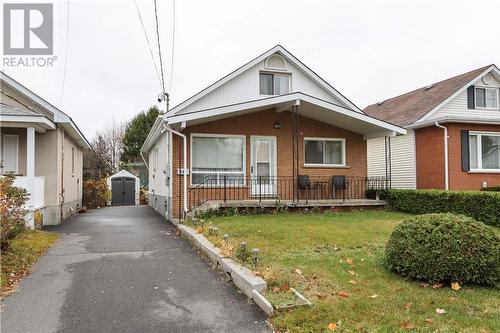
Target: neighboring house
(453,139)
(272,129)
(43,147)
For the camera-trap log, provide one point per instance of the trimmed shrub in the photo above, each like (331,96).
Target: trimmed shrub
(481,206)
(12,211)
(444,248)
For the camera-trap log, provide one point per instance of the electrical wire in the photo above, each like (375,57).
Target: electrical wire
(159,48)
(65,56)
(173,48)
(149,44)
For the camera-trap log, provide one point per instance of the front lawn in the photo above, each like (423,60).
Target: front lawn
(336,261)
(22,253)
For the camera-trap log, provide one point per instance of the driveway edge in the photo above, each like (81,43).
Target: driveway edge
(249,283)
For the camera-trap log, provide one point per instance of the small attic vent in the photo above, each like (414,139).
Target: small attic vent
(276,61)
(429,87)
(488,79)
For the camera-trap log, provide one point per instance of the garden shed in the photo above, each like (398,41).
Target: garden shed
(124,188)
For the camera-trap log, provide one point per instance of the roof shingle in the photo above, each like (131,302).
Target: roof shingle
(406,109)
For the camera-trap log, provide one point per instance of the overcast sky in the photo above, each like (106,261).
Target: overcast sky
(368,50)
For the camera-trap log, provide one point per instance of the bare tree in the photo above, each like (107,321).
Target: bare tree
(103,159)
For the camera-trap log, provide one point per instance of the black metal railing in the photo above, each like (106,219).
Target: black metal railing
(301,189)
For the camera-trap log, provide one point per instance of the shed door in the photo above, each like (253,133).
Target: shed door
(122,191)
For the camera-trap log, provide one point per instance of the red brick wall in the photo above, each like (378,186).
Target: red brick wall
(430,158)
(261,123)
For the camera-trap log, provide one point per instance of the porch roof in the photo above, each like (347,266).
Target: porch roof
(14,117)
(309,106)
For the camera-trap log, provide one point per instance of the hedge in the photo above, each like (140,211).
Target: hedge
(481,206)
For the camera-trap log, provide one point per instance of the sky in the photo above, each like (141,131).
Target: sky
(368,50)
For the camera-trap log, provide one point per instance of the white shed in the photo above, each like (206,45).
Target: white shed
(124,188)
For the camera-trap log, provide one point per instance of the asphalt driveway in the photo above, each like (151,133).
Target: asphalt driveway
(123,269)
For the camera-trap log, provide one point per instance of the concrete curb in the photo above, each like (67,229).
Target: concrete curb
(249,283)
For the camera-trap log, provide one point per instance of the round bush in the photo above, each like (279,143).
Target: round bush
(444,248)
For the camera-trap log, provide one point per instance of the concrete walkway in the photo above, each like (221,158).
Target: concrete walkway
(122,269)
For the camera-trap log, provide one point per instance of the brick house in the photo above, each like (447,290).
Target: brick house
(453,139)
(272,129)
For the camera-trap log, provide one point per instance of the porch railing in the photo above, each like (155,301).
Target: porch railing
(301,189)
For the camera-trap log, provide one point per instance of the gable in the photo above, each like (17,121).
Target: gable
(242,85)
(417,105)
(245,87)
(457,106)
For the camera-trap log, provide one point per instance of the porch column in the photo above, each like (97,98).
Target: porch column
(30,164)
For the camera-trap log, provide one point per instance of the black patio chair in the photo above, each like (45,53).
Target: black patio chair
(339,183)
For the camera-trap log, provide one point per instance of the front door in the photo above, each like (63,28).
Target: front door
(263,165)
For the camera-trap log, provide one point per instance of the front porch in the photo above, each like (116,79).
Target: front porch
(293,193)
(18,157)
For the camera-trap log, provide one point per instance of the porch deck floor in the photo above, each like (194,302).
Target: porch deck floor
(302,203)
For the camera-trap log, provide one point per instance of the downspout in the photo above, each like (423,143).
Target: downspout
(184,139)
(62,173)
(446,171)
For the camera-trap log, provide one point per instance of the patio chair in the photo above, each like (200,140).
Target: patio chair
(339,183)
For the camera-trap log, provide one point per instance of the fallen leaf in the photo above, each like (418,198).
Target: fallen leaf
(349,261)
(321,295)
(407,325)
(373,296)
(352,272)
(276,289)
(440,311)
(352,282)
(408,306)
(428,320)
(285,287)
(344,294)
(424,285)
(298,271)
(332,327)
(455,286)
(437,286)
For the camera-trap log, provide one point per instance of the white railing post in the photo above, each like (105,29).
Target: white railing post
(30,166)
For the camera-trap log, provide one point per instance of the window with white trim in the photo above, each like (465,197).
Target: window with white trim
(214,157)
(274,83)
(487,98)
(484,151)
(324,152)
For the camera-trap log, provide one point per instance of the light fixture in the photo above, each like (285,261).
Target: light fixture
(255,257)
(277,125)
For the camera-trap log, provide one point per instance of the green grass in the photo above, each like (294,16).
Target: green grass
(321,246)
(24,250)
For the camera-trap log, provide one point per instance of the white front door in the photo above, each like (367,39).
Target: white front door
(10,151)
(263,165)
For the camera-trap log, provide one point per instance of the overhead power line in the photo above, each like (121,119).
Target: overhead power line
(65,55)
(173,47)
(149,44)
(159,49)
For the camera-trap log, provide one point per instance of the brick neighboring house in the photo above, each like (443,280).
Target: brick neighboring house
(453,139)
(272,129)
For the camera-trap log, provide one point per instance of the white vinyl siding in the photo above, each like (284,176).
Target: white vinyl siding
(245,87)
(159,169)
(402,158)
